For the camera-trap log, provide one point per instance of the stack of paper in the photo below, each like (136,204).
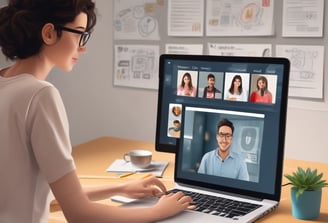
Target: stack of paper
(121,166)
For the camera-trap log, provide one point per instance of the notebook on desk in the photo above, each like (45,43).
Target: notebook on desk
(258,139)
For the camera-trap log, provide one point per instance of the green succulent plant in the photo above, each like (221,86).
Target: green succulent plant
(302,180)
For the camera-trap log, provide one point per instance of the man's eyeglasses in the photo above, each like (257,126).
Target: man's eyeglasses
(84,35)
(224,135)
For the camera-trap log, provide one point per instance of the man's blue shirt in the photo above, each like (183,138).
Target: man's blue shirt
(233,166)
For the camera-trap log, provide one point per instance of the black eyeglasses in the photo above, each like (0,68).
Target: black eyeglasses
(85,36)
(227,136)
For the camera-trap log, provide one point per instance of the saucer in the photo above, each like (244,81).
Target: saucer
(151,167)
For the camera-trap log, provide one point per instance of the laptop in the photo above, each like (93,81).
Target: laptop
(246,185)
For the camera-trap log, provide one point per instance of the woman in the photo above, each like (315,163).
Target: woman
(236,92)
(262,95)
(35,152)
(186,87)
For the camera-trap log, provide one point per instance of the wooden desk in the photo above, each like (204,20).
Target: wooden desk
(93,158)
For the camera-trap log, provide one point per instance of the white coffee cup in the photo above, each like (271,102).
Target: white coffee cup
(139,158)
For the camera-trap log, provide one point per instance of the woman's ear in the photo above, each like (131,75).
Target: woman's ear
(49,34)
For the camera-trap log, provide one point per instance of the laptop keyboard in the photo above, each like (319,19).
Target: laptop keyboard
(219,206)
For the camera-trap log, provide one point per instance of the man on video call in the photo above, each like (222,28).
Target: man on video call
(222,161)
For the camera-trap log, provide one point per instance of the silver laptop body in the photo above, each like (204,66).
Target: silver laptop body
(258,137)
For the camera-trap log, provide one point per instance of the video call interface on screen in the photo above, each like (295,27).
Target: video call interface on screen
(196,92)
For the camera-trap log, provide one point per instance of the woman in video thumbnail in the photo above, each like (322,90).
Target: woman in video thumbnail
(236,92)
(262,95)
(186,87)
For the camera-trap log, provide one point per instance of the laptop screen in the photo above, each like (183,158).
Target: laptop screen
(211,102)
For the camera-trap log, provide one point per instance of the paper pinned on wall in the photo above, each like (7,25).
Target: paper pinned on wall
(306,69)
(184,49)
(136,66)
(302,18)
(239,18)
(255,50)
(136,20)
(185,17)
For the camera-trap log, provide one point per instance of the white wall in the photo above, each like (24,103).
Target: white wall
(96,108)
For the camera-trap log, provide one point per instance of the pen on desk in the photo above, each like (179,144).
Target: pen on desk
(147,175)
(126,174)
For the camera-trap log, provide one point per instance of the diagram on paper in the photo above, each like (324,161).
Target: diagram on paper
(136,66)
(135,19)
(306,72)
(239,17)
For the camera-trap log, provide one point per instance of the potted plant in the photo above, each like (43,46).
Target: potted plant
(306,192)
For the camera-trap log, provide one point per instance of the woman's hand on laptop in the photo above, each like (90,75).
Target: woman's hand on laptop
(146,187)
(168,205)
(172,204)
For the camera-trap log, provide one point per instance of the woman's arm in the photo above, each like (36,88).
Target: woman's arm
(78,208)
(139,188)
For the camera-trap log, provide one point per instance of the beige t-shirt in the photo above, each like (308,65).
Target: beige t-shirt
(35,148)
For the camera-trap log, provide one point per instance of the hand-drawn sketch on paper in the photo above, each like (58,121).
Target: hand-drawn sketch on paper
(136,66)
(303,18)
(136,19)
(239,18)
(306,72)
